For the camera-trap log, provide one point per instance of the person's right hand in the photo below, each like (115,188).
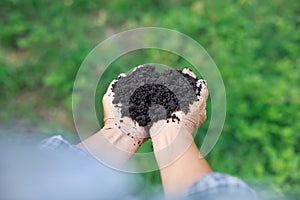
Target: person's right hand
(120,137)
(125,133)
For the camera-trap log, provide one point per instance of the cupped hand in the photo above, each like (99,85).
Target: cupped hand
(164,131)
(123,125)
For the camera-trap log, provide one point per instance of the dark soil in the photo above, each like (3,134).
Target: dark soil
(148,96)
(143,98)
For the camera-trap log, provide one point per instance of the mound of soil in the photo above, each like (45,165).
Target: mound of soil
(147,96)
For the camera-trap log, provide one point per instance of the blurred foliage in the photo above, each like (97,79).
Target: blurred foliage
(255,44)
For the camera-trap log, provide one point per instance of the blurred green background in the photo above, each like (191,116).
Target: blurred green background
(255,44)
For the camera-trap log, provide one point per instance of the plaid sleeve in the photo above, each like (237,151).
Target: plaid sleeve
(220,186)
(58,143)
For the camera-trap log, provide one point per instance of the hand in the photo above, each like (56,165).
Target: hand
(127,133)
(187,123)
(176,153)
(120,137)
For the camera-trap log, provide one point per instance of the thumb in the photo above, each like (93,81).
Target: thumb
(108,98)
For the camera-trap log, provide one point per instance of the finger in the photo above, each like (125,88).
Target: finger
(140,66)
(189,72)
(108,98)
(203,90)
(204,94)
(203,115)
(111,85)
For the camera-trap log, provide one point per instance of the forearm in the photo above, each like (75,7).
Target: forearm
(179,160)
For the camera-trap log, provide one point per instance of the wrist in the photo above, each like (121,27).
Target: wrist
(171,136)
(168,147)
(119,139)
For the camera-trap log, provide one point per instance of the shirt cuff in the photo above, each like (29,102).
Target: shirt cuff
(59,144)
(218,186)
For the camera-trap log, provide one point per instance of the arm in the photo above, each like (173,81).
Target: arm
(110,145)
(179,160)
(177,155)
(115,143)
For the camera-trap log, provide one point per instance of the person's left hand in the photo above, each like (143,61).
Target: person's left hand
(165,131)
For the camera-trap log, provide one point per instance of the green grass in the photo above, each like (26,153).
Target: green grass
(255,44)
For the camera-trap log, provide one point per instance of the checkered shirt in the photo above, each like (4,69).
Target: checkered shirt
(210,186)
